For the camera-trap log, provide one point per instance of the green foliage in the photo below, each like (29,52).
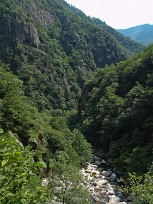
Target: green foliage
(19,180)
(82,147)
(49,137)
(16,110)
(67,182)
(126,42)
(140,188)
(19,116)
(118,117)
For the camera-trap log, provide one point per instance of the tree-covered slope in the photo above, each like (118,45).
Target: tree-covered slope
(54,48)
(142,33)
(34,146)
(116,110)
(126,42)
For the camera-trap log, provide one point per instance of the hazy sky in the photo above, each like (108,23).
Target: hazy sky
(118,13)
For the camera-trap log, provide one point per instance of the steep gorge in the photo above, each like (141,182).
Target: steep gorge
(49,51)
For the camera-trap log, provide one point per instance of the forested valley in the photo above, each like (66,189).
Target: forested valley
(70,87)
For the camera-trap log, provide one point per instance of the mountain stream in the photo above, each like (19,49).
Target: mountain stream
(102,183)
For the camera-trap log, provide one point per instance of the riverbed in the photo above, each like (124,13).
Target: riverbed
(103,183)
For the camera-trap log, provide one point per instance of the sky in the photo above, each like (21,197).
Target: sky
(117,13)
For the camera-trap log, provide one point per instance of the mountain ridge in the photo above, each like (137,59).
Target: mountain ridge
(141,33)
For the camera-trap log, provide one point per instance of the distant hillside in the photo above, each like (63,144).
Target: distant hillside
(125,41)
(54,47)
(142,33)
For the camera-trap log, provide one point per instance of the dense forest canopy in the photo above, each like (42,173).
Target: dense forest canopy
(55,60)
(117,114)
(50,140)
